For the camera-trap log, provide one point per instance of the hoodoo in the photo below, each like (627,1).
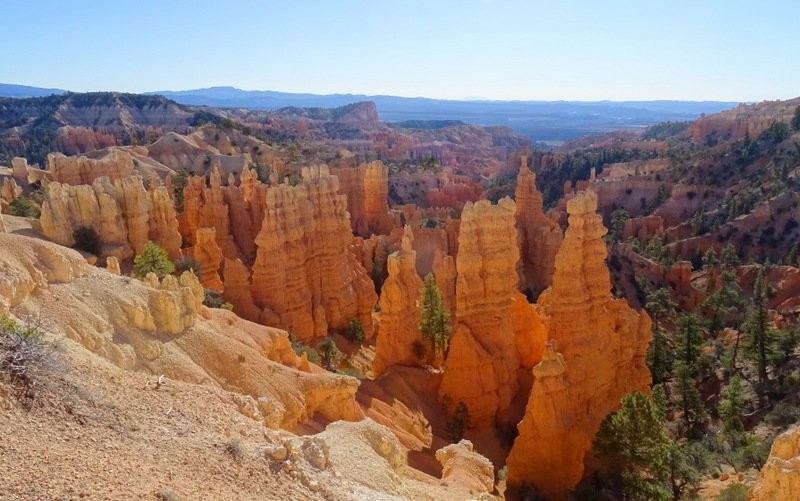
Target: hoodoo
(603,343)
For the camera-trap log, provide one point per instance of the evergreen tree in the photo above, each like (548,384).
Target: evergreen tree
(710,258)
(435,326)
(791,257)
(632,441)
(153,259)
(179,181)
(729,256)
(618,219)
(796,119)
(660,306)
(22,207)
(733,405)
(725,303)
(329,353)
(687,397)
(691,339)
(760,337)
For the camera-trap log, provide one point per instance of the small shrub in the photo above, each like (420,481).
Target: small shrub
(502,473)
(187,263)
(234,448)
(734,492)
(784,414)
(213,299)
(153,259)
(27,361)
(311,353)
(87,239)
(353,372)
(355,331)
(22,207)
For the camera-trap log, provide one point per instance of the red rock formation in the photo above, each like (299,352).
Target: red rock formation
(603,342)
(530,333)
(236,212)
(540,237)
(482,362)
(367,189)
(304,278)
(209,256)
(745,119)
(113,163)
(237,290)
(400,311)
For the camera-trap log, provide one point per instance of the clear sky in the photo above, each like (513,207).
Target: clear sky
(724,50)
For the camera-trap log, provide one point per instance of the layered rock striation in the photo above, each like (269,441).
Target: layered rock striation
(124,214)
(304,278)
(366,186)
(603,343)
(480,369)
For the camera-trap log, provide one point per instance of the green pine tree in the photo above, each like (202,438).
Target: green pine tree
(661,307)
(687,398)
(153,259)
(435,326)
(760,336)
(633,443)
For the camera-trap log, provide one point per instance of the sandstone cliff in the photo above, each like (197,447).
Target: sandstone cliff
(367,189)
(603,342)
(113,163)
(125,215)
(480,369)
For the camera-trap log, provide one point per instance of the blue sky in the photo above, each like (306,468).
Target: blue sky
(498,49)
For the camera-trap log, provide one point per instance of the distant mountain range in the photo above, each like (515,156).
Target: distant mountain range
(554,121)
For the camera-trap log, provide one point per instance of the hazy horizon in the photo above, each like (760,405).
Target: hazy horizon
(451,49)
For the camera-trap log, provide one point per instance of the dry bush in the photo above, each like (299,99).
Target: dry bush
(28,363)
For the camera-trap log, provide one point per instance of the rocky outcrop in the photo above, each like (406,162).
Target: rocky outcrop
(113,163)
(480,369)
(444,269)
(779,479)
(603,342)
(540,237)
(400,310)
(304,279)
(29,265)
(161,327)
(124,214)
(9,190)
(461,465)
